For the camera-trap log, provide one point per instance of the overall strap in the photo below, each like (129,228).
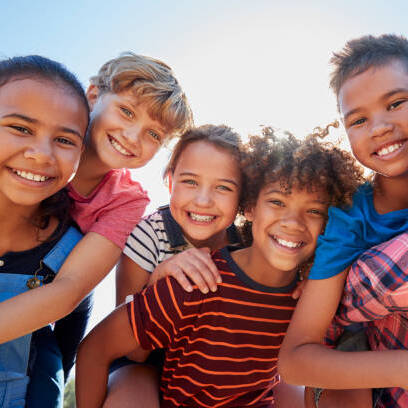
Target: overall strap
(56,257)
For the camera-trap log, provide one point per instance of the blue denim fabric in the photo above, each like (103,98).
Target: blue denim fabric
(52,356)
(14,355)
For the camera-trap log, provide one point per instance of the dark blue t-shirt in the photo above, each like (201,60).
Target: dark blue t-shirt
(350,232)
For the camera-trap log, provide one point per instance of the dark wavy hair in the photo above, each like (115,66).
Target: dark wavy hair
(38,67)
(306,164)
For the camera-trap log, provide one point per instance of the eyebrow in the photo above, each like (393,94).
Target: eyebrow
(393,92)
(187,173)
(32,120)
(288,193)
(272,191)
(383,97)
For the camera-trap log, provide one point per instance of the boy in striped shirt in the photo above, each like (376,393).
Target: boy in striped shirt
(222,347)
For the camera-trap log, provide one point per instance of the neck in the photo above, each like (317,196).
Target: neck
(259,270)
(90,172)
(390,193)
(17,229)
(215,242)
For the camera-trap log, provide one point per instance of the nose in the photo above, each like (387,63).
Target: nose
(133,134)
(203,197)
(293,221)
(380,127)
(41,151)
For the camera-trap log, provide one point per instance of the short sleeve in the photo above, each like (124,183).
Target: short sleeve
(339,246)
(156,313)
(143,244)
(113,209)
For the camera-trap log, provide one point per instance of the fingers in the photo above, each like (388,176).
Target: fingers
(298,290)
(195,265)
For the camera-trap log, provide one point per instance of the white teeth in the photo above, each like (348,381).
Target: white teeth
(389,149)
(202,218)
(288,244)
(119,148)
(30,176)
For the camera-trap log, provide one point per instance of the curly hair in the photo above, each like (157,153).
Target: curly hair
(308,164)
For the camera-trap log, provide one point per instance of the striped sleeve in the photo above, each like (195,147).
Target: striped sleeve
(156,313)
(143,244)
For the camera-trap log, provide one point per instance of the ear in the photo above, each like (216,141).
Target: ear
(170,181)
(249,214)
(92,94)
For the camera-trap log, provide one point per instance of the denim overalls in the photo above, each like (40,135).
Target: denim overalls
(14,354)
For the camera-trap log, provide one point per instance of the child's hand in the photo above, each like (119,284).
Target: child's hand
(299,289)
(195,264)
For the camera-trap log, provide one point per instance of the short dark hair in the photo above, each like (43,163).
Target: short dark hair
(365,52)
(41,68)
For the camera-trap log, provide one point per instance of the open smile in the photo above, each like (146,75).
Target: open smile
(201,218)
(287,244)
(118,147)
(390,149)
(28,175)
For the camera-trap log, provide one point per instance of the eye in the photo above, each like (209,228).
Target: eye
(223,188)
(65,141)
(127,112)
(277,203)
(315,211)
(21,129)
(395,104)
(190,182)
(358,122)
(154,135)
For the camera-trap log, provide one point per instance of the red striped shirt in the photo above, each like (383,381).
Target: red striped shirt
(221,348)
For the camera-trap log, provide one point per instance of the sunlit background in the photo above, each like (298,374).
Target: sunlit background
(242,63)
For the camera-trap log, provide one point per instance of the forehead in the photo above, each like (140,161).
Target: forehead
(371,85)
(48,102)
(302,194)
(207,157)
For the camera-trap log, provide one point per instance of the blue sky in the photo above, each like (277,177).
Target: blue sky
(243,63)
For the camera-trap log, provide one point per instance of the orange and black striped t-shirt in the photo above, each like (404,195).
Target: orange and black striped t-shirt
(221,348)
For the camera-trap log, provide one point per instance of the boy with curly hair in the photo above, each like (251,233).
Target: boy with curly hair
(222,347)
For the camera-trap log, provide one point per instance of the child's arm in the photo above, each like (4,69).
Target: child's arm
(305,360)
(92,258)
(195,264)
(111,339)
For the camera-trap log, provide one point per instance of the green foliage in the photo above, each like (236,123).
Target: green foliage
(69,396)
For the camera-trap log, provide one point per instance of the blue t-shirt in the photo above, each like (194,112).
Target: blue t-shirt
(350,232)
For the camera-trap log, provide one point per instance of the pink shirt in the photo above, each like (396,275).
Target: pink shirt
(113,208)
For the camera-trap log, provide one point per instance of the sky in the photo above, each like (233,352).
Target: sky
(242,63)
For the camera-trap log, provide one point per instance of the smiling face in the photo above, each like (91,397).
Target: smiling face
(374,105)
(205,192)
(285,227)
(122,133)
(42,126)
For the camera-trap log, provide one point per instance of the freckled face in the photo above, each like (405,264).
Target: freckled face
(285,226)
(205,192)
(123,135)
(42,126)
(374,106)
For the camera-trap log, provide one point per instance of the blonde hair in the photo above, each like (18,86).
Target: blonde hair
(153,84)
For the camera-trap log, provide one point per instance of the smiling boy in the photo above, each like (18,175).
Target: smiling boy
(370,80)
